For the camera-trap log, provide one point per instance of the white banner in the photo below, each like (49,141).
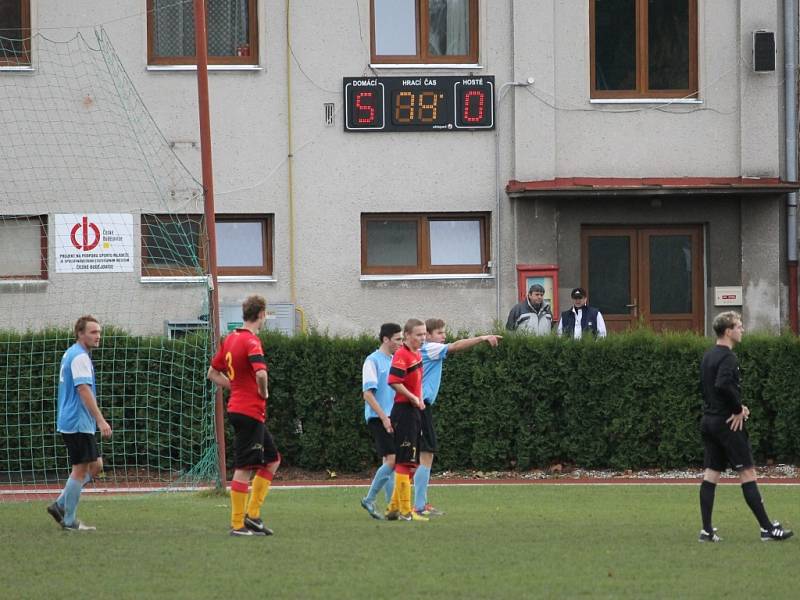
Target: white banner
(94,243)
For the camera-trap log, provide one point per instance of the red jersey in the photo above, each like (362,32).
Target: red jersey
(406,369)
(239,357)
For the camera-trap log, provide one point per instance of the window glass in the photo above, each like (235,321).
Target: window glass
(670,274)
(668,44)
(391,243)
(448,27)
(615,44)
(240,244)
(395,27)
(171,241)
(455,242)
(610,274)
(227,23)
(13,30)
(20,247)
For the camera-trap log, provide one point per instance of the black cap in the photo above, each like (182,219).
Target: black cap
(578,293)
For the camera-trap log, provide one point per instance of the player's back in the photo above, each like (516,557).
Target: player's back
(239,357)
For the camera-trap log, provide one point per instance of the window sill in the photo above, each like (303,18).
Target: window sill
(23,68)
(425,276)
(645,101)
(23,285)
(417,66)
(202,278)
(210,68)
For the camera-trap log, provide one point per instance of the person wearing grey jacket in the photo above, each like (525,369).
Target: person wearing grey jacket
(533,315)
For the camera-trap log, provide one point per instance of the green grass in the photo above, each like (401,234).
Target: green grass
(537,541)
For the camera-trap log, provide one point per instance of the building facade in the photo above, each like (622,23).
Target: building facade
(376,160)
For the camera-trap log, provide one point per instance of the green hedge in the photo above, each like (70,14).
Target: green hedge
(627,402)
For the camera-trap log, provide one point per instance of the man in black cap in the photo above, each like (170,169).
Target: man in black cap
(581,318)
(533,315)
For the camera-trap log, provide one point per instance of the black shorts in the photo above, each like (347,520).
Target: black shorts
(428,441)
(384,441)
(81,448)
(723,446)
(406,424)
(253,445)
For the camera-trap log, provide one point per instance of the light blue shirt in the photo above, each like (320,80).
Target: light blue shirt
(433,355)
(374,378)
(76,369)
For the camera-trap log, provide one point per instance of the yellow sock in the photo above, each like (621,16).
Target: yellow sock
(257,496)
(238,502)
(394,503)
(403,487)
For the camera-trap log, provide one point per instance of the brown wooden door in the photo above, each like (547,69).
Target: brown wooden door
(645,274)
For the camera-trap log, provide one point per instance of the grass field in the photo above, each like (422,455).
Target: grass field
(534,541)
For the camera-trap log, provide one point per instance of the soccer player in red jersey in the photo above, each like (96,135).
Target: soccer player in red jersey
(405,377)
(240,367)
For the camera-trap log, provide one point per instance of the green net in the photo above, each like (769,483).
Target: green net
(98,216)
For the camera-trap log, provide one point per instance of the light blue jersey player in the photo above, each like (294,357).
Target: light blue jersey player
(78,420)
(434,352)
(378,402)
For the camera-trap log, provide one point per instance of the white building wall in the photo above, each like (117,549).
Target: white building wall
(546,130)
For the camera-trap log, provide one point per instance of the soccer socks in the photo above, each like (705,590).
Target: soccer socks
(60,499)
(402,489)
(421,479)
(72,493)
(389,488)
(238,502)
(753,498)
(382,476)
(707,491)
(261,483)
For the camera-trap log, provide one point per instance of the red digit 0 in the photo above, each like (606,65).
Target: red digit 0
(480,99)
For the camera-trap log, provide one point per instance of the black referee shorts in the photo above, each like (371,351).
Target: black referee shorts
(428,432)
(406,423)
(81,448)
(384,441)
(723,446)
(253,446)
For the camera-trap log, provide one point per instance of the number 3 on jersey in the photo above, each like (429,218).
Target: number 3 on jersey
(229,361)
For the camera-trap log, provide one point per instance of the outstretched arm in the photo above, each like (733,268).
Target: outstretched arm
(468,343)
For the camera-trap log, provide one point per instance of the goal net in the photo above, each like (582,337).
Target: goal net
(98,216)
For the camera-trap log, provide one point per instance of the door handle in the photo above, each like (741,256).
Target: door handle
(635,307)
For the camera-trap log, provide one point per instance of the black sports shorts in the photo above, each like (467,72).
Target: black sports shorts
(428,441)
(723,446)
(406,424)
(384,441)
(253,445)
(81,447)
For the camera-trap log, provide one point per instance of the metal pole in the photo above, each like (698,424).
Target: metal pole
(790,32)
(201,45)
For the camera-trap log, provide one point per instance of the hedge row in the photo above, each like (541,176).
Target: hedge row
(627,402)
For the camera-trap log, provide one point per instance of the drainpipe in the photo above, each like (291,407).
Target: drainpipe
(290,156)
(790,33)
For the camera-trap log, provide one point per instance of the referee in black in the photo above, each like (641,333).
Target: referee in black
(724,436)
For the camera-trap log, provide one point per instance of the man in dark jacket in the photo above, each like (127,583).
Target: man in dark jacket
(581,318)
(533,315)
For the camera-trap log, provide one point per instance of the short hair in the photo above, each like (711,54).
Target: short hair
(388,330)
(80,324)
(434,324)
(410,324)
(725,321)
(536,287)
(252,307)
